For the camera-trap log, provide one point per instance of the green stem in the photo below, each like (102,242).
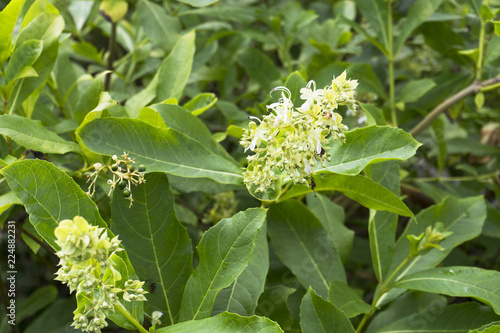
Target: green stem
(472,89)
(127,315)
(384,289)
(479,65)
(111,55)
(390,58)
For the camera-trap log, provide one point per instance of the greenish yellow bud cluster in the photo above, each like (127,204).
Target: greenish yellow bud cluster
(124,175)
(431,239)
(291,141)
(87,268)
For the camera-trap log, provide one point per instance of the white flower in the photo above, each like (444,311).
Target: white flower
(310,95)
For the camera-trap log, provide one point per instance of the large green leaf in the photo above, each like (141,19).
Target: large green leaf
(224,252)
(175,69)
(318,315)
(46,27)
(162,29)
(475,5)
(418,13)
(439,317)
(302,244)
(157,243)
(461,281)
(226,322)
(24,56)
(242,296)
(382,225)
(32,135)
(492,327)
(8,19)
(332,218)
(161,149)
(463,217)
(49,196)
(347,299)
(359,188)
(368,145)
(182,120)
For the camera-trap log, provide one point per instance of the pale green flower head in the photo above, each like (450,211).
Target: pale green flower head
(291,142)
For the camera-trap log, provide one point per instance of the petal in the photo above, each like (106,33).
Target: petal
(307,104)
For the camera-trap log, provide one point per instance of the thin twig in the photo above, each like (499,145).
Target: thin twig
(473,88)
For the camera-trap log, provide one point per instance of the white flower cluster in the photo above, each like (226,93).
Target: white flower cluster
(291,141)
(87,268)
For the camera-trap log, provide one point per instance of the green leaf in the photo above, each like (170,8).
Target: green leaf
(89,100)
(318,315)
(162,29)
(475,5)
(224,252)
(301,243)
(273,304)
(55,318)
(440,317)
(488,328)
(358,188)
(242,296)
(8,19)
(418,13)
(174,71)
(463,217)
(24,56)
(32,135)
(199,3)
(182,120)
(38,300)
(493,51)
(166,150)
(259,67)
(152,117)
(438,131)
(367,145)
(382,225)
(405,306)
(347,299)
(158,245)
(229,322)
(88,50)
(374,115)
(294,83)
(478,283)
(375,12)
(415,89)
(49,196)
(46,27)
(362,31)
(80,11)
(332,218)
(201,103)
(368,79)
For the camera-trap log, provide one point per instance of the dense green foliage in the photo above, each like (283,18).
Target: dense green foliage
(396,227)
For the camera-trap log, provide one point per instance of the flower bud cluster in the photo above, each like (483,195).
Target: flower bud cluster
(291,141)
(86,266)
(124,175)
